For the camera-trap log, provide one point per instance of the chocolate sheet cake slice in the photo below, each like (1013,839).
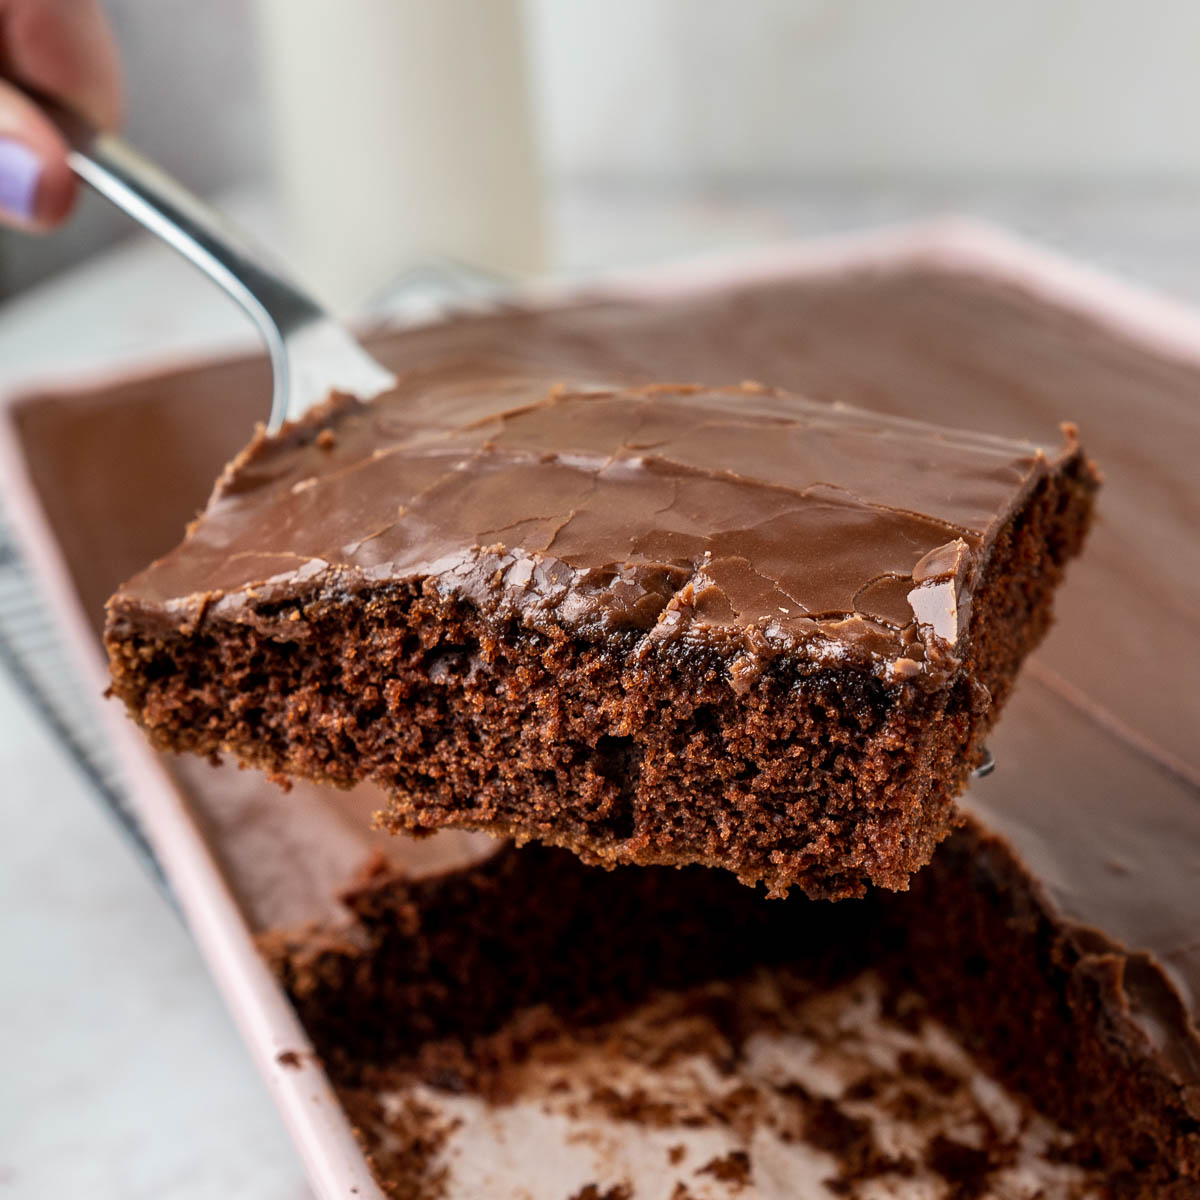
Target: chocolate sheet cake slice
(662,625)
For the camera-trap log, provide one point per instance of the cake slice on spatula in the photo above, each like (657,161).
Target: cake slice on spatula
(660,625)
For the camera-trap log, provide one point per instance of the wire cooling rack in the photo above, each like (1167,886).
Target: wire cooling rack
(34,658)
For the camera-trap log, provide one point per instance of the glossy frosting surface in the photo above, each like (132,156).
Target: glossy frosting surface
(741,513)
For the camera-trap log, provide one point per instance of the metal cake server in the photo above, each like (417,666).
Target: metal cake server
(312,354)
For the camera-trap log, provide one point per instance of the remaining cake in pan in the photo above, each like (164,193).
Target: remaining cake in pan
(529,978)
(662,625)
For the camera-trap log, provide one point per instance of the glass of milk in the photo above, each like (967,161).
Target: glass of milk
(403,132)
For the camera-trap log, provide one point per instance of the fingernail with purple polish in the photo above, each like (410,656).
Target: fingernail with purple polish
(20,171)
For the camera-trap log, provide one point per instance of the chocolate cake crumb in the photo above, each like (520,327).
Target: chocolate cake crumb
(966,1168)
(665,1064)
(732,1168)
(636,1107)
(591,1191)
(851,1140)
(930,1072)
(288,1058)
(906,1007)
(404,1141)
(738,1107)
(827,1127)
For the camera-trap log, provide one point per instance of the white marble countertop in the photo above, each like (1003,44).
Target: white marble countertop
(123,1076)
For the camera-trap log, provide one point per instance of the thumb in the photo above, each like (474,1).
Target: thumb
(37,187)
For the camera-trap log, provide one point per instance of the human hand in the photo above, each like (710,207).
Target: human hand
(65,50)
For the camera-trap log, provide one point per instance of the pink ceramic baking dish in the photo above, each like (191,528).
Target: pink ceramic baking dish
(222,919)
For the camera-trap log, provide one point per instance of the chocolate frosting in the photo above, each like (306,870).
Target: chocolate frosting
(1098,785)
(753,517)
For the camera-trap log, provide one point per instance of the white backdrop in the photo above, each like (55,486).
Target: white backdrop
(681,88)
(688,92)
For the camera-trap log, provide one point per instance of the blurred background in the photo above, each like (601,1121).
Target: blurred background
(660,127)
